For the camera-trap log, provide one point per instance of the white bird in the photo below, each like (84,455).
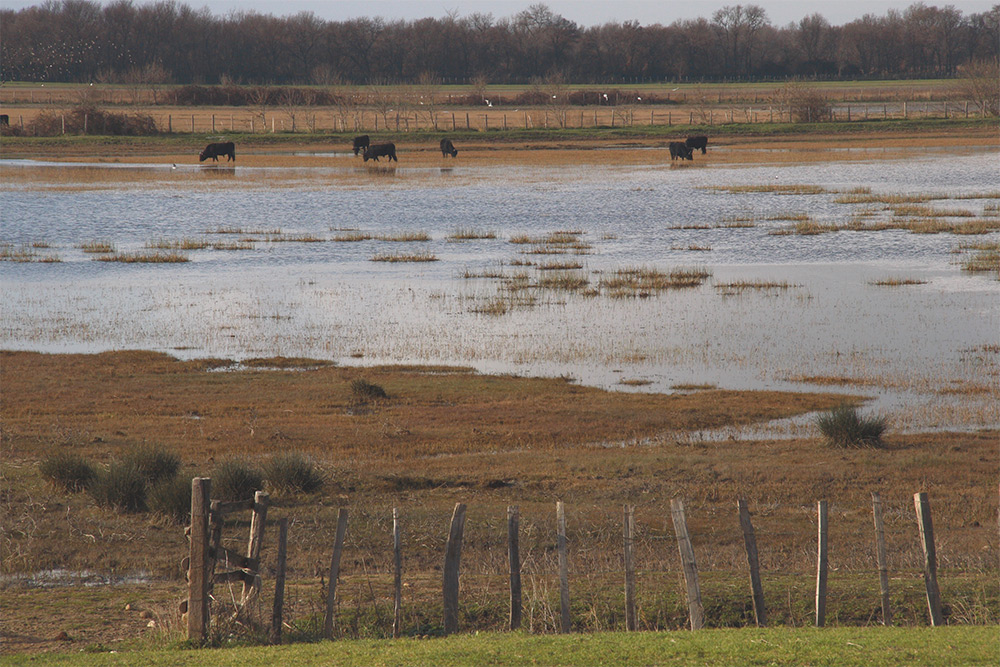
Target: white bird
(639,98)
(605,96)
(488,103)
(173,166)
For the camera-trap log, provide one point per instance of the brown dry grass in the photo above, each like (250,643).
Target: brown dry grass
(447,435)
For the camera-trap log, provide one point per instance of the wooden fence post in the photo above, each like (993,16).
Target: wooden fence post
(397,575)
(257,522)
(338,550)
(279,582)
(198,563)
(514,559)
(629,535)
(923,507)
(821,564)
(452,562)
(753,561)
(883,568)
(565,625)
(696,611)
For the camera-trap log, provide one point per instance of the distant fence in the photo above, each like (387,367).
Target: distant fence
(206,554)
(326,119)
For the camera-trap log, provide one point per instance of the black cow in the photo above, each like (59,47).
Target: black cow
(376,151)
(447,148)
(5,120)
(213,151)
(678,149)
(695,143)
(361,143)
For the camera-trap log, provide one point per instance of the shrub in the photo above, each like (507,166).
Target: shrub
(121,487)
(809,106)
(153,463)
(364,390)
(844,427)
(90,119)
(172,498)
(235,480)
(292,472)
(68,472)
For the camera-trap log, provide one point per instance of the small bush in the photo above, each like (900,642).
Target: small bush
(68,472)
(172,498)
(363,390)
(809,106)
(153,463)
(844,427)
(121,487)
(235,480)
(292,473)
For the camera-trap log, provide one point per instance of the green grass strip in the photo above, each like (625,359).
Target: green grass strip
(870,646)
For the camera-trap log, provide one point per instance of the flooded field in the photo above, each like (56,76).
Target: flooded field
(855,274)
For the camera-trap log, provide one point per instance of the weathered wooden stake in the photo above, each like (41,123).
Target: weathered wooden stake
(452,563)
(397,575)
(629,535)
(258,520)
(338,550)
(696,611)
(821,565)
(514,560)
(883,564)
(565,625)
(279,582)
(753,561)
(923,507)
(198,564)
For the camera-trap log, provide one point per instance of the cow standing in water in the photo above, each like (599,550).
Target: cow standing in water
(376,151)
(448,148)
(361,143)
(213,151)
(678,149)
(695,143)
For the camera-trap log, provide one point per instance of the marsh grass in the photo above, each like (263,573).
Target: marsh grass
(778,189)
(471,234)
(403,257)
(145,258)
(915,211)
(292,472)
(567,265)
(844,426)
(896,281)
(240,230)
(234,479)
(563,280)
(182,244)
(235,245)
(352,237)
(154,463)
(67,472)
(121,487)
(293,238)
(635,382)
(643,281)
(363,391)
(741,286)
(404,237)
(985,258)
(171,498)
(97,247)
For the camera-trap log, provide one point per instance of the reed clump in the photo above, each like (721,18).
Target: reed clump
(121,487)
(234,479)
(644,281)
(844,426)
(67,472)
(292,472)
(404,257)
(145,258)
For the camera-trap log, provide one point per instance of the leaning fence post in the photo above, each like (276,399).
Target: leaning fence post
(629,536)
(338,549)
(821,564)
(696,611)
(923,507)
(261,501)
(561,546)
(198,563)
(279,582)
(883,566)
(452,562)
(753,561)
(397,575)
(514,559)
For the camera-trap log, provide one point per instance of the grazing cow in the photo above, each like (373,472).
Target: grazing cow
(447,148)
(375,151)
(678,149)
(361,143)
(695,143)
(4,120)
(213,151)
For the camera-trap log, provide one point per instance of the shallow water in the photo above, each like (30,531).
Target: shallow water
(913,346)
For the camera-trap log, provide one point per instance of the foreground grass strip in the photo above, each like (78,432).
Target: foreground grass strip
(873,646)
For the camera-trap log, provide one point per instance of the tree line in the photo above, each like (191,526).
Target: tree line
(81,41)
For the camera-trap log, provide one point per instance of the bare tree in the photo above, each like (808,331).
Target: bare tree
(427,91)
(260,100)
(979,83)
(383,99)
(557,97)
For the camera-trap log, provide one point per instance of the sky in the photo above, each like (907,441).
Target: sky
(583,12)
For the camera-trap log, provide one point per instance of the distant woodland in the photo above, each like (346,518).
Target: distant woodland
(171,42)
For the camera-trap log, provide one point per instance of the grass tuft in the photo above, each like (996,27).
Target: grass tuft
(843,426)
(292,472)
(121,487)
(172,498)
(363,390)
(67,472)
(235,480)
(154,463)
